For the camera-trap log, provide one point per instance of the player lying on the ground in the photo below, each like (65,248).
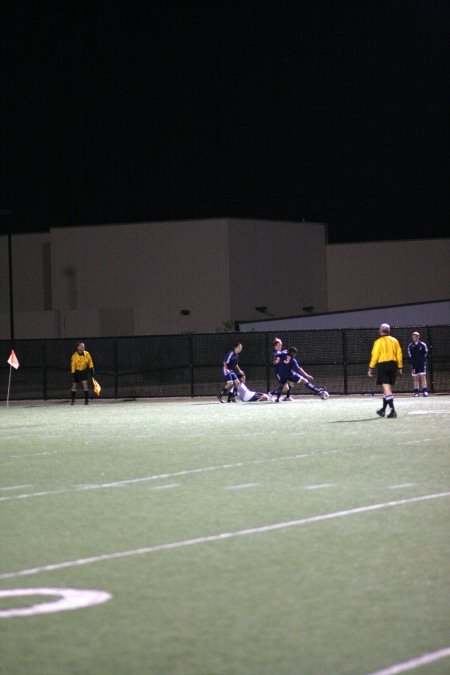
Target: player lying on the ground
(289,373)
(247,395)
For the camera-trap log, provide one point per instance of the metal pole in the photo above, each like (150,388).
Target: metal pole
(11,296)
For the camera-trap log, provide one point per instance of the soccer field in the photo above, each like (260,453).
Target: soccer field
(304,538)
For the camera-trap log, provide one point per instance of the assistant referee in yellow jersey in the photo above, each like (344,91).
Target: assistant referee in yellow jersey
(387,356)
(82,368)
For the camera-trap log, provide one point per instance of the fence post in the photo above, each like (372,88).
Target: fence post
(116,379)
(191,363)
(44,373)
(430,358)
(344,358)
(266,344)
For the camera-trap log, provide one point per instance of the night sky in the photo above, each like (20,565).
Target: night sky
(132,111)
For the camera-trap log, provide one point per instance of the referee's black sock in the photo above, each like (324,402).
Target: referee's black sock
(389,401)
(72,396)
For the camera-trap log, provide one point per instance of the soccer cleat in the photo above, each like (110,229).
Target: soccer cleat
(287,398)
(381,412)
(425,393)
(392,414)
(219,396)
(72,403)
(416,394)
(86,402)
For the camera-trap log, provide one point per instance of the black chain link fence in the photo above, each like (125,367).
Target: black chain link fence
(190,365)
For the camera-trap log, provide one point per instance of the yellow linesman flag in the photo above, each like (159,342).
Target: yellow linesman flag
(97,387)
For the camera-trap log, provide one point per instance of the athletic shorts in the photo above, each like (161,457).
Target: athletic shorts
(421,371)
(231,377)
(387,372)
(292,377)
(256,396)
(81,375)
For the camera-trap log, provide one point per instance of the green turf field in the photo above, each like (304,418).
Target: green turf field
(309,537)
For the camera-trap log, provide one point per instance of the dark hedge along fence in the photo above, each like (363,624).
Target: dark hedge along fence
(190,365)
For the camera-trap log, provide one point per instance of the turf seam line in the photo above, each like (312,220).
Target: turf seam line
(220,537)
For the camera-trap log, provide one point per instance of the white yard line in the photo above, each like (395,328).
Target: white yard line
(241,487)
(423,660)
(319,487)
(429,412)
(52,567)
(162,476)
(424,440)
(16,487)
(401,485)
(166,487)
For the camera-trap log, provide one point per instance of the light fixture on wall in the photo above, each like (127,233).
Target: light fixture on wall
(185,312)
(263,310)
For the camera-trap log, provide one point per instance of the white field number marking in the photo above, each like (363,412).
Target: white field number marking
(66,599)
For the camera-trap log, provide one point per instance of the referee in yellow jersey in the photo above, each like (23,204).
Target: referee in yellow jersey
(387,356)
(82,367)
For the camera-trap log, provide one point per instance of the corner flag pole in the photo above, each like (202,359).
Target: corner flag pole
(13,363)
(9,386)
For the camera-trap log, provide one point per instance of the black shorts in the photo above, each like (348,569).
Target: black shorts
(81,375)
(387,372)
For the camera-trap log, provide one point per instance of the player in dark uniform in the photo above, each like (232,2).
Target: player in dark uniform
(417,357)
(230,364)
(277,353)
(289,372)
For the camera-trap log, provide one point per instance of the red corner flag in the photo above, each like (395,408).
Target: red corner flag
(13,361)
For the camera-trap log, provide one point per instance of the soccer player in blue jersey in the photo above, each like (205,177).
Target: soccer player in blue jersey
(229,366)
(277,353)
(417,357)
(289,373)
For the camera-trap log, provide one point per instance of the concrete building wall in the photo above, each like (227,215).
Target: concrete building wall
(138,277)
(32,287)
(387,273)
(134,279)
(281,266)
